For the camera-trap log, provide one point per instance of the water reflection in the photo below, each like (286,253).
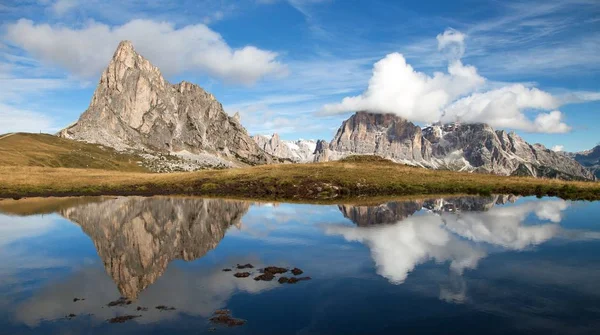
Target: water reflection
(137,238)
(495,254)
(459,231)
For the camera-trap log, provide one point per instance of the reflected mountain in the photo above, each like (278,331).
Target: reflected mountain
(392,212)
(137,237)
(459,231)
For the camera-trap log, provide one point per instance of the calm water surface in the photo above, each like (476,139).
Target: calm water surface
(474,265)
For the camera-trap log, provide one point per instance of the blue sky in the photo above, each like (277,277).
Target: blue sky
(288,65)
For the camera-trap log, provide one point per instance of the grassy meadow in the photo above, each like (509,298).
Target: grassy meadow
(43,150)
(356,177)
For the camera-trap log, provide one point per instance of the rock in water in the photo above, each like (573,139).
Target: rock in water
(135,108)
(461,147)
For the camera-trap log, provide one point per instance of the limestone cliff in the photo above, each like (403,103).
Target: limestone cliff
(461,147)
(135,108)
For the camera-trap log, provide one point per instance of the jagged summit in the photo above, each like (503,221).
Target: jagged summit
(590,159)
(135,108)
(473,147)
(299,151)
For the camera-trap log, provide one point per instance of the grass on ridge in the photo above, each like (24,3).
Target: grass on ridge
(350,178)
(25,149)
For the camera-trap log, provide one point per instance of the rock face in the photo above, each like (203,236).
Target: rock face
(590,159)
(299,151)
(137,237)
(393,212)
(135,108)
(461,147)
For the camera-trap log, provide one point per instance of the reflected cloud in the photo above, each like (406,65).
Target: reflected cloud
(447,232)
(13,228)
(197,292)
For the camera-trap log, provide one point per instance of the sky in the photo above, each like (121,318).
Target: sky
(301,67)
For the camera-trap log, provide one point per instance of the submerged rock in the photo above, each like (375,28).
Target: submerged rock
(297,272)
(122,318)
(122,301)
(274,270)
(294,280)
(267,276)
(242,274)
(164,308)
(245,266)
(223,317)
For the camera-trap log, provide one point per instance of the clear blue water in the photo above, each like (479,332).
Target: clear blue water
(487,265)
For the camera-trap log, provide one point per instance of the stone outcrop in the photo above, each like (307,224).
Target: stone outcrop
(135,108)
(299,151)
(461,147)
(138,237)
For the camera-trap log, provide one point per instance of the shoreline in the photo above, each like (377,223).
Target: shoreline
(331,181)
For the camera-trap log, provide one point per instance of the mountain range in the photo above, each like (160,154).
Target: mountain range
(183,127)
(462,147)
(589,159)
(299,151)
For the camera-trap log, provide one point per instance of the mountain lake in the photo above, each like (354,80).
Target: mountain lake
(177,265)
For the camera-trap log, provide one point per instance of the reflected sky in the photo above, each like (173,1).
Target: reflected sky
(496,264)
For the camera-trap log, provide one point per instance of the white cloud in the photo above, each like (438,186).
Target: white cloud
(86,51)
(558,148)
(17,120)
(453,42)
(61,7)
(395,87)
(504,108)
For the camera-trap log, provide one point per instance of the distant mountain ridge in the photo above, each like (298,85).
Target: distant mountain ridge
(135,108)
(461,147)
(590,159)
(299,151)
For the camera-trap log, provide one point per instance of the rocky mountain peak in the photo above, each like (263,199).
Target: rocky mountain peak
(135,109)
(590,159)
(299,151)
(475,147)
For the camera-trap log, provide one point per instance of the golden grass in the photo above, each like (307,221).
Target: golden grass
(332,180)
(23,149)
(36,206)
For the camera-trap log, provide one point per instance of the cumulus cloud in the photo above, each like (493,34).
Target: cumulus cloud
(86,51)
(396,87)
(558,148)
